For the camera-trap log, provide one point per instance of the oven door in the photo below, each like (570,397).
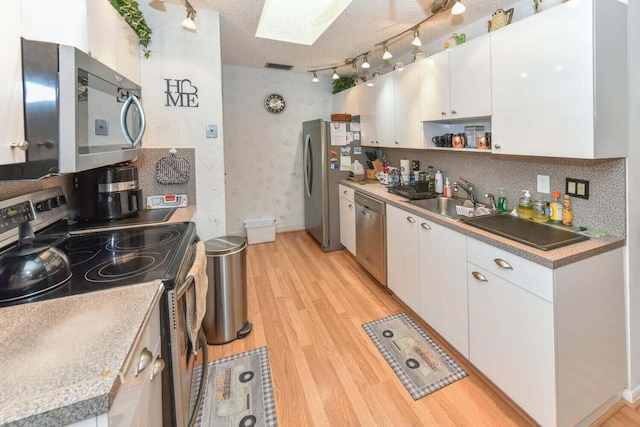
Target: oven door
(183,360)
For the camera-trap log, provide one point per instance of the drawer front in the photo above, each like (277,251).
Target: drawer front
(526,274)
(345,192)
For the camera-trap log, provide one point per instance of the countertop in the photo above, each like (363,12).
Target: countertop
(60,358)
(554,258)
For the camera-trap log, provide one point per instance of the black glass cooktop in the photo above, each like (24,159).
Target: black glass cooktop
(120,257)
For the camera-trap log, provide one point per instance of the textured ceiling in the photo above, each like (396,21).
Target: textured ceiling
(363,24)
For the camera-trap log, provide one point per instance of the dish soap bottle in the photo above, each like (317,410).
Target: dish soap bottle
(431,178)
(502,201)
(556,208)
(567,212)
(525,208)
(447,188)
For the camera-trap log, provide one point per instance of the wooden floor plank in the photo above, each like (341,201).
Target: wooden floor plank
(308,308)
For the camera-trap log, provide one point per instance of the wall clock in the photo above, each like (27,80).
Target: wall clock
(274,103)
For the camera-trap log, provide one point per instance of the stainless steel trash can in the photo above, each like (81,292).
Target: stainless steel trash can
(226,315)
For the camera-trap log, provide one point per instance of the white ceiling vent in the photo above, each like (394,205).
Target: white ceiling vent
(278,66)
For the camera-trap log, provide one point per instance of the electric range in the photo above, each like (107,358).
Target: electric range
(98,258)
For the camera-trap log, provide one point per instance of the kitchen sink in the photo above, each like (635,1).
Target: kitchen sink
(444,206)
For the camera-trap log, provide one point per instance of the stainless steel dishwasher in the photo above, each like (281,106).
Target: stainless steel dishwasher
(371,236)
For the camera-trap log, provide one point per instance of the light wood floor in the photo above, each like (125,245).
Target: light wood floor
(307,307)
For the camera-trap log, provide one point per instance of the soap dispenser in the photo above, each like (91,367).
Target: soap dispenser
(525,207)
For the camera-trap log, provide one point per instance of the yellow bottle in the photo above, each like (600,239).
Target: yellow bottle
(567,212)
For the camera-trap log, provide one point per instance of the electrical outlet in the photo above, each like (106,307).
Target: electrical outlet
(577,188)
(543,184)
(212,131)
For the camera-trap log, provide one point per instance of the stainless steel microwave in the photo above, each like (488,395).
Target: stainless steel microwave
(73,103)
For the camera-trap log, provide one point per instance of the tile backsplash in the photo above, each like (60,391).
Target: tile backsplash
(604,210)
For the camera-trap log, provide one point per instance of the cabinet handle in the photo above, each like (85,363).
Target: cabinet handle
(443,113)
(350,206)
(158,366)
(425,226)
(145,360)
(454,112)
(397,143)
(344,192)
(502,263)
(497,146)
(411,219)
(479,276)
(22,145)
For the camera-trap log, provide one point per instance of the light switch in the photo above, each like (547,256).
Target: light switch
(212,131)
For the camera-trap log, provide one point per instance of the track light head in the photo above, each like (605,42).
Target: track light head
(416,38)
(335,75)
(458,8)
(189,22)
(386,54)
(365,63)
(315,78)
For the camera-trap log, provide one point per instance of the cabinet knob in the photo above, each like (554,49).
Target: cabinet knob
(502,263)
(22,145)
(443,113)
(350,206)
(454,112)
(497,146)
(397,143)
(425,226)
(145,360)
(158,366)
(479,276)
(344,192)
(411,219)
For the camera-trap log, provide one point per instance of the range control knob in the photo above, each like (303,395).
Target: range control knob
(62,200)
(54,202)
(44,206)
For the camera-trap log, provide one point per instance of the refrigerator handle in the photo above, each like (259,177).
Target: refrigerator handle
(308,165)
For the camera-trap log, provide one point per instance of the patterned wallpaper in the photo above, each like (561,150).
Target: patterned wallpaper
(262,150)
(176,55)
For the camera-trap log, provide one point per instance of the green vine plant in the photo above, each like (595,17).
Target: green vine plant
(133,16)
(343,83)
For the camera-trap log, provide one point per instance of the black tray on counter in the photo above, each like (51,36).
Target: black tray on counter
(416,191)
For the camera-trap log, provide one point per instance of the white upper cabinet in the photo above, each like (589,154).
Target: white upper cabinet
(407,107)
(559,82)
(11,109)
(347,101)
(456,84)
(368,136)
(470,78)
(385,110)
(92,26)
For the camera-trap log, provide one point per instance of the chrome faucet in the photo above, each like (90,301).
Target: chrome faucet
(467,187)
(492,199)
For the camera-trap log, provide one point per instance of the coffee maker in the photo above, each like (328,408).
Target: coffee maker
(109,193)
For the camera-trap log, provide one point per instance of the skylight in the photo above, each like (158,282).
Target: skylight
(298,21)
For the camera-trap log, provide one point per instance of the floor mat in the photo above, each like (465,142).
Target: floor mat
(420,364)
(239,391)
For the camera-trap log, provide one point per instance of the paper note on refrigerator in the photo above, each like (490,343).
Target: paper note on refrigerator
(338,133)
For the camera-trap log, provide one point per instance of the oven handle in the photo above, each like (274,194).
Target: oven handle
(203,380)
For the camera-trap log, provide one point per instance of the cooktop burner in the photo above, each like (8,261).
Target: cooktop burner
(120,257)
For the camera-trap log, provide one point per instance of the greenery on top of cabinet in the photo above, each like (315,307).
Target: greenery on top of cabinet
(343,83)
(133,16)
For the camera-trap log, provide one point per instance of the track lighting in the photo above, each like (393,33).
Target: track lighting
(365,63)
(458,8)
(386,54)
(416,38)
(189,23)
(335,75)
(315,78)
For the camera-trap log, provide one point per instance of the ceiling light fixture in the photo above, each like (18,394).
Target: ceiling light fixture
(189,23)
(335,75)
(315,78)
(386,54)
(458,8)
(365,63)
(416,38)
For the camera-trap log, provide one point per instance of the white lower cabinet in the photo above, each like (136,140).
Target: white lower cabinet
(403,256)
(347,218)
(552,339)
(443,282)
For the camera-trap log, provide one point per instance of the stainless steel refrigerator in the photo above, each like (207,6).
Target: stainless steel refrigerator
(322,163)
